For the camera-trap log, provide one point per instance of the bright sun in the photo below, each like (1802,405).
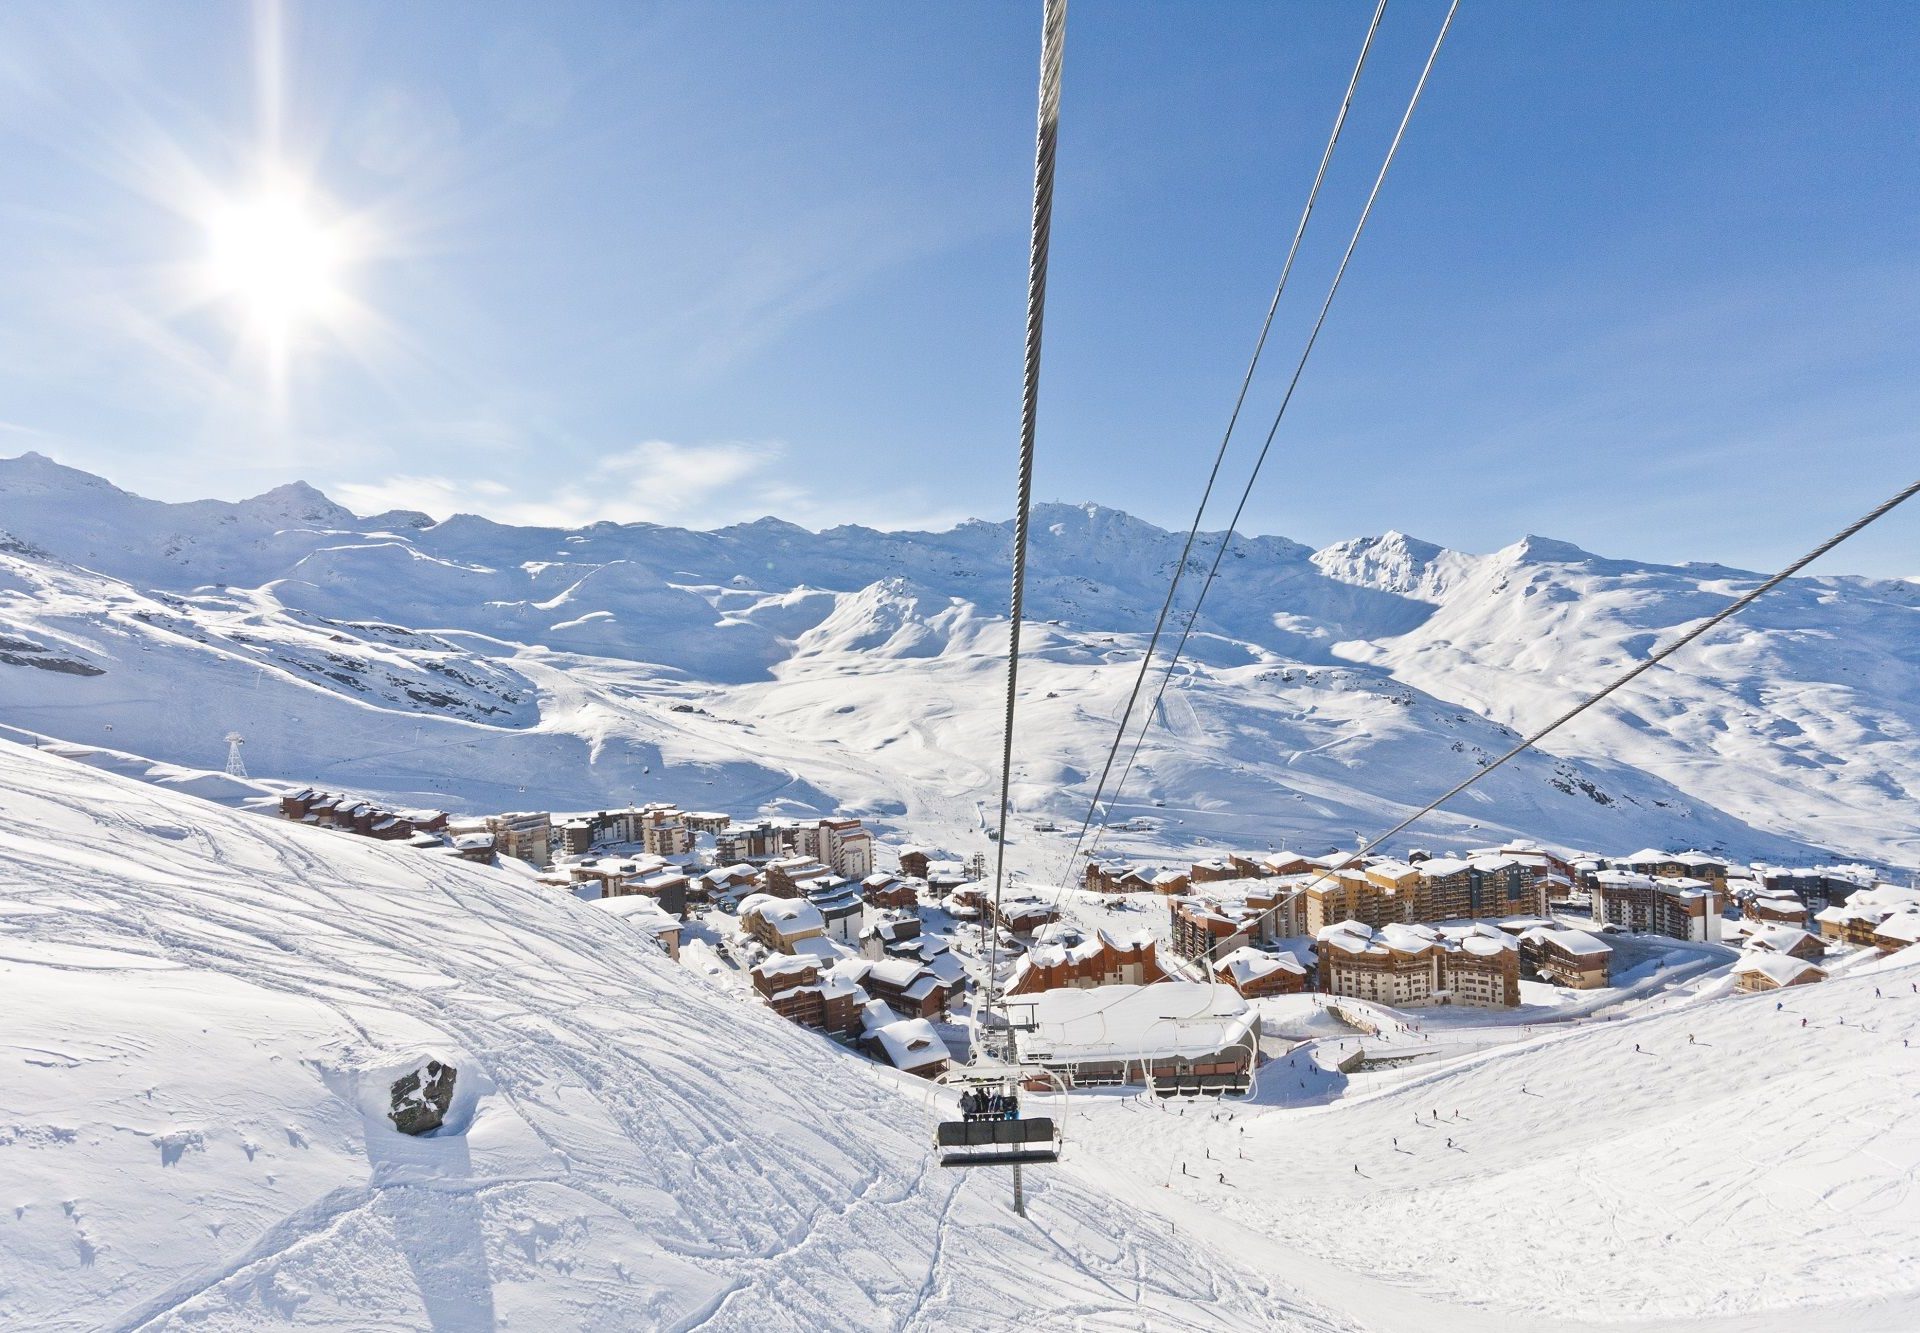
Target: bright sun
(270,255)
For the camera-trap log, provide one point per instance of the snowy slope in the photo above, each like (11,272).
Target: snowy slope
(1736,1171)
(764,666)
(203,1009)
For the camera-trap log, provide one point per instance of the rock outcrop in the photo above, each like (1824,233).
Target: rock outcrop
(421,1099)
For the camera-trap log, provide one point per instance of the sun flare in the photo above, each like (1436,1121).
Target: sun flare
(276,259)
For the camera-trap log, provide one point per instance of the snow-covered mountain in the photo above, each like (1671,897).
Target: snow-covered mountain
(472,664)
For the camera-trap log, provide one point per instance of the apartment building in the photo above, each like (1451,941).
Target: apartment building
(1066,955)
(1415,964)
(1671,905)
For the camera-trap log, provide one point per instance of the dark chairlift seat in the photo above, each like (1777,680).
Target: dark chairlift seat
(1033,1142)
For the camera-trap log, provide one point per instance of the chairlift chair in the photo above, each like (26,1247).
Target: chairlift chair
(1033,1141)
(1019,1141)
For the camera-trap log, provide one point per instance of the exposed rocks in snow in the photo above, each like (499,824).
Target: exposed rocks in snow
(421,1098)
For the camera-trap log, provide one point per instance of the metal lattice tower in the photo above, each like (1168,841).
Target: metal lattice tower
(236,766)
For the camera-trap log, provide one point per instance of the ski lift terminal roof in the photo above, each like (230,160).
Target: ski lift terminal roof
(1167,1018)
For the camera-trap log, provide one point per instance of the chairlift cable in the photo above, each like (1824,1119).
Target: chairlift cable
(1046,142)
(1233,420)
(1313,336)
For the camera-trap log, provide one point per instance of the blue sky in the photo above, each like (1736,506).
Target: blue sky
(1644,278)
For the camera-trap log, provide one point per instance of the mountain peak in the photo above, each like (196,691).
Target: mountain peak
(1392,561)
(1548,551)
(34,471)
(299,502)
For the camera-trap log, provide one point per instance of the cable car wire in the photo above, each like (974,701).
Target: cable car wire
(1313,336)
(1046,145)
(1233,420)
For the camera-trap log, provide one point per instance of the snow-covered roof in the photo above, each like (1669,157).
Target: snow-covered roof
(785,964)
(639,910)
(840,901)
(896,972)
(1884,898)
(1406,937)
(911,1043)
(787,915)
(1167,1018)
(1484,944)
(1901,926)
(876,1014)
(1347,939)
(1776,967)
(1576,942)
(1778,939)
(819,946)
(1246,965)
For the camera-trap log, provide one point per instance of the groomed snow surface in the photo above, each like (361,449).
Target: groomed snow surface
(204,1009)
(202,1012)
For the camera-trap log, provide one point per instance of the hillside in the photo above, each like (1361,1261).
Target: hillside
(204,1009)
(470,664)
(1716,1167)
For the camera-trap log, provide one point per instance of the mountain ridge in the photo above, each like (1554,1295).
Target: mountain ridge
(18,472)
(1323,693)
